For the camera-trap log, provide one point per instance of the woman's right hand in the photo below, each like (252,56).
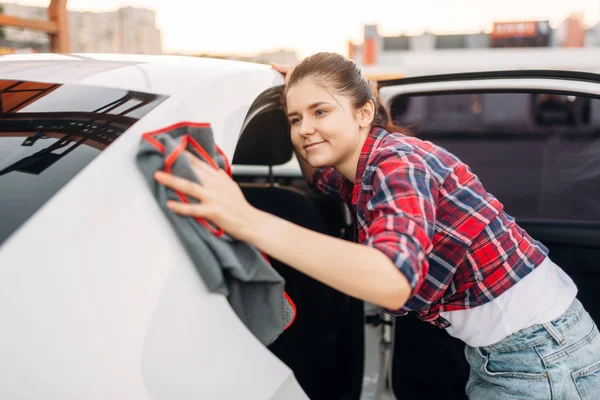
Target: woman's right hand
(285,69)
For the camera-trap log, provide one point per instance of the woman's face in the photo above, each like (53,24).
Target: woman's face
(325,126)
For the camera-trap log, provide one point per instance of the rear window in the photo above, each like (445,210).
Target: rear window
(537,152)
(50,132)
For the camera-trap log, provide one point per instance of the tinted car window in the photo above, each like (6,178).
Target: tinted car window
(538,153)
(50,132)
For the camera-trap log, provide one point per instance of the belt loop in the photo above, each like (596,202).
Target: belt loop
(481,351)
(554,333)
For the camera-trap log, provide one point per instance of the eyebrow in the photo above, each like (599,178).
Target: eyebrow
(310,107)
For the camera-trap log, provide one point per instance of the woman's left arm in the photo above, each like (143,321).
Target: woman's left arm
(401,213)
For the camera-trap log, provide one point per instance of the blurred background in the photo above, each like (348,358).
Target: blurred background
(387,39)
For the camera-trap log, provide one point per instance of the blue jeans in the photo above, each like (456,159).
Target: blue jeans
(555,360)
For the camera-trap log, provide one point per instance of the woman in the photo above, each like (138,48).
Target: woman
(431,240)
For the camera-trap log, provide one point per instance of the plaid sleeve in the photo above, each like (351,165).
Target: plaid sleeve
(401,212)
(326,181)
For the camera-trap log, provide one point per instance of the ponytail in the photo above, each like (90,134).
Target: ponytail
(383,120)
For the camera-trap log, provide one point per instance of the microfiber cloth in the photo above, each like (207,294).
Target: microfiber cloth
(227,266)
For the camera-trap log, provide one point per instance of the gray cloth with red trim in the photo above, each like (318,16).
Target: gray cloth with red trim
(230,267)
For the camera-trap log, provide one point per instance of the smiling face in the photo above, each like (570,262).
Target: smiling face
(326,129)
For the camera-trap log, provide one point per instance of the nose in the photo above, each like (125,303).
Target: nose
(306,127)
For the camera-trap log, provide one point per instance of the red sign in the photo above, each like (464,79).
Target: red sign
(515,29)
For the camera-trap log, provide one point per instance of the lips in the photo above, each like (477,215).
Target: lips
(310,146)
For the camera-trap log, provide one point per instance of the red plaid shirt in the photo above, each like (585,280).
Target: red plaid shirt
(426,210)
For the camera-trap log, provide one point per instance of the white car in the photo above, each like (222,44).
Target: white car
(99,299)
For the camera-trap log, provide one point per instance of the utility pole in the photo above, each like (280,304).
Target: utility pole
(57,25)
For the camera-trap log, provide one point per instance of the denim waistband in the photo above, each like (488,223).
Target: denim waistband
(538,334)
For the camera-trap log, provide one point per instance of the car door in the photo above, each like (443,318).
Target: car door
(533,139)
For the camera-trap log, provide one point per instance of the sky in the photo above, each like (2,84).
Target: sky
(309,26)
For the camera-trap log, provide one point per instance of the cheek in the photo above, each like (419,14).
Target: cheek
(340,130)
(294,136)
(340,123)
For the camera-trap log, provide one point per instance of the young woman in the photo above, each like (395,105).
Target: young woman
(431,240)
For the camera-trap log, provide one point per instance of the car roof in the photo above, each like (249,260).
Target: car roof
(164,74)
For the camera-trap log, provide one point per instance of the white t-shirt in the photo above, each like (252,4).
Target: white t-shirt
(542,296)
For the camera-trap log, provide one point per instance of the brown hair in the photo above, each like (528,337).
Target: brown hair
(343,76)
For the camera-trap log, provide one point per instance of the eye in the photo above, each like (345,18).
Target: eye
(320,113)
(294,121)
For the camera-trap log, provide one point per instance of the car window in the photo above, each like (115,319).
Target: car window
(50,132)
(537,152)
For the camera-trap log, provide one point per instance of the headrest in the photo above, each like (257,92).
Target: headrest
(265,137)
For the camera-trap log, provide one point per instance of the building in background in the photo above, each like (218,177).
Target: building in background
(128,30)
(572,31)
(521,34)
(509,46)
(19,40)
(138,31)
(592,36)
(94,32)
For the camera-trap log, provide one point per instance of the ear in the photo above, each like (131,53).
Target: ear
(366,114)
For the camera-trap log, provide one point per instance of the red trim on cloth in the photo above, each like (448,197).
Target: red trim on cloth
(202,151)
(227,165)
(170,160)
(159,146)
(287,297)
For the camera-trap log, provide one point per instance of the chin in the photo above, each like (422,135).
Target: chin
(319,162)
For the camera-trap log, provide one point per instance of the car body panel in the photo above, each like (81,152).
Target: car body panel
(99,298)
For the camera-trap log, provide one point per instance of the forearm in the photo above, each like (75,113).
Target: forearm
(356,270)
